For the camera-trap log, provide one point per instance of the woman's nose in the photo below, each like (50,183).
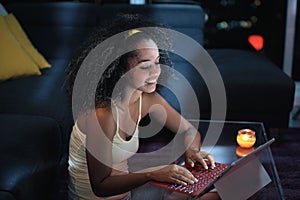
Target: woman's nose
(154,69)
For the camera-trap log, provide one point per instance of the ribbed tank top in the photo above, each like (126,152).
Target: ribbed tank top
(79,184)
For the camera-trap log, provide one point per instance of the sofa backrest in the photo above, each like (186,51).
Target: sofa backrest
(58,28)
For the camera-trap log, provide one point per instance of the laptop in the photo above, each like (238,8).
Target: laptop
(208,177)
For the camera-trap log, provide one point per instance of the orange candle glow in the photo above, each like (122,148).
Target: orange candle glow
(246,138)
(241,152)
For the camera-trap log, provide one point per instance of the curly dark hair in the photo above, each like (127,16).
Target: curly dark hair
(112,66)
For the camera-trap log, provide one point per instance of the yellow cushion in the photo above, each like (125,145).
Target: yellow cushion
(14,62)
(16,29)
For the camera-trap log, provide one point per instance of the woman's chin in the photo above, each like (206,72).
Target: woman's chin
(149,88)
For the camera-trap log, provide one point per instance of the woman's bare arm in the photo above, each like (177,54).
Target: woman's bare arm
(164,113)
(178,124)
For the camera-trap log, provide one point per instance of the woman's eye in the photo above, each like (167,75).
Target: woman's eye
(144,67)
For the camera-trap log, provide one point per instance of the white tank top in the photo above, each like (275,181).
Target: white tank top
(123,149)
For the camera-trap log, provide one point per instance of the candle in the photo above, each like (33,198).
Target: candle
(241,152)
(246,138)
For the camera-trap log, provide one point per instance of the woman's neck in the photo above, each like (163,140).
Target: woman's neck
(131,97)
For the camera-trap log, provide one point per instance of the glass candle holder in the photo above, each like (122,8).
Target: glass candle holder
(241,152)
(246,138)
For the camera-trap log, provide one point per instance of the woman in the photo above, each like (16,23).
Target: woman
(105,134)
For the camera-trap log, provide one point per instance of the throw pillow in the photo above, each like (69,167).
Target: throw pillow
(16,29)
(14,62)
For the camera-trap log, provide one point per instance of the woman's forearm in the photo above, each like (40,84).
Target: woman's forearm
(192,139)
(114,185)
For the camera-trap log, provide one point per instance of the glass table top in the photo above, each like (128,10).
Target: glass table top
(226,150)
(219,139)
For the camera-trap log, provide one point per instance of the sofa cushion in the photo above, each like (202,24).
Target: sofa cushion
(14,60)
(31,150)
(256,89)
(252,81)
(39,95)
(16,29)
(6,195)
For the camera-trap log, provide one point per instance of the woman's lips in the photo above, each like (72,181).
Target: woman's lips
(151,82)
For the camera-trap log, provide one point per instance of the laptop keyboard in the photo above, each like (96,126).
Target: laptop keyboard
(205,178)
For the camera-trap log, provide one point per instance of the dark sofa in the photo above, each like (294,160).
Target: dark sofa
(36,119)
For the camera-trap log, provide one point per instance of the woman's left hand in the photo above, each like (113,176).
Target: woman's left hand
(193,156)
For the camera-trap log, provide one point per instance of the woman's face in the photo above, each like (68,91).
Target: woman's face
(144,67)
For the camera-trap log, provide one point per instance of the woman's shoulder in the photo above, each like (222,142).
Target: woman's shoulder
(103,112)
(152,98)
(92,119)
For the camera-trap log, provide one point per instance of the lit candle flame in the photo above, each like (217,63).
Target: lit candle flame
(246,138)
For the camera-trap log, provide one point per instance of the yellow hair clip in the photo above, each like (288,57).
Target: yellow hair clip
(132,32)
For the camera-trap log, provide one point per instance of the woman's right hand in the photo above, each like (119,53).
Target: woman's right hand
(173,174)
